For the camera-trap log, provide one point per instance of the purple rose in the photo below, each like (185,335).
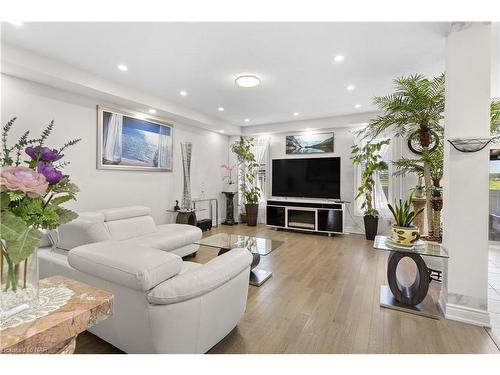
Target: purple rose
(52,175)
(43,153)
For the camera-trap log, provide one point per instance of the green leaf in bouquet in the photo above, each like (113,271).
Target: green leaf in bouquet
(20,240)
(65,216)
(16,195)
(5,200)
(56,201)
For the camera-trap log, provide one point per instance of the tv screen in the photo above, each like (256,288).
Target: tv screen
(306,178)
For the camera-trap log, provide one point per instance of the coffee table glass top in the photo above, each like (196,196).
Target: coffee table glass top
(427,248)
(255,245)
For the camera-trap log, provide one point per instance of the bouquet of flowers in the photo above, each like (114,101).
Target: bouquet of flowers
(32,192)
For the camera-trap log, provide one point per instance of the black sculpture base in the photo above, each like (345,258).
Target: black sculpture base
(414,298)
(229,208)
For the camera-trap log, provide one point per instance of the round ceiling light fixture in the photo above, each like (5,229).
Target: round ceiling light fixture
(247,80)
(338,58)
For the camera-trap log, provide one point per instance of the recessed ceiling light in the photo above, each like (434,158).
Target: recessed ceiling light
(221,131)
(122,67)
(296,113)
(247,80)
(152,110)
(357,106)
(338,58)
(350,87)
(16,23)
(247,120)
(220,109)
(183,93)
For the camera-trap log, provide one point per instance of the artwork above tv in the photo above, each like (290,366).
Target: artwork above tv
(306,178)
(310,143)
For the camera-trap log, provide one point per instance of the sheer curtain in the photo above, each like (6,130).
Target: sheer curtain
(261,152)
(112,150)
(163,148)
(381,192)
(382,184)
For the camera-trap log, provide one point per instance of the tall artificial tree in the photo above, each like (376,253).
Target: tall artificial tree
(415,109)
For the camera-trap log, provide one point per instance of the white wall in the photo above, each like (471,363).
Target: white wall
(75,116)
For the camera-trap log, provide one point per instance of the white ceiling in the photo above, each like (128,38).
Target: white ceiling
(295,61)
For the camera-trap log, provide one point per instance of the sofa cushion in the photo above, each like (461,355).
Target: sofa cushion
(203,279)
(135,267)
(129,228)
(87,228)
(112,214)
(168,237)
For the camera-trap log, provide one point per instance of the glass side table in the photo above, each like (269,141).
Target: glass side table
(413,298)
(257,246)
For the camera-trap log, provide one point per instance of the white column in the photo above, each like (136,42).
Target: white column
(465,216)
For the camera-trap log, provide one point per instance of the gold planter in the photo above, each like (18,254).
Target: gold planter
(405,236)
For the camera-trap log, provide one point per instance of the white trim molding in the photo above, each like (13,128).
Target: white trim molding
(467,315)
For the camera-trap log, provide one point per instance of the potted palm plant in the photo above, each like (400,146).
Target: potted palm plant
(248,177)
(413,111)
(368,156)
(403,232)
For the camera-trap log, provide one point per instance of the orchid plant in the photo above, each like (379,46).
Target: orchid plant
(31,195)
(229,169)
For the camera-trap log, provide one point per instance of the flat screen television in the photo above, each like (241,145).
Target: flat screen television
(306,178)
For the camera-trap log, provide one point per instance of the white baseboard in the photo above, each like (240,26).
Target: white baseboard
(467,315)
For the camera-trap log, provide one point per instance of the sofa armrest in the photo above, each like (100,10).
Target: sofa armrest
(136,267)
(202,280)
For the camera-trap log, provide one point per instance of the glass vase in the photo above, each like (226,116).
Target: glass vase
(19,285)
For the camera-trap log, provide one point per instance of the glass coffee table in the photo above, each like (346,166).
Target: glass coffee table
(257,246)
(410,298)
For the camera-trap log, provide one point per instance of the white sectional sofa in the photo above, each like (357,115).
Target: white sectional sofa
(162,304)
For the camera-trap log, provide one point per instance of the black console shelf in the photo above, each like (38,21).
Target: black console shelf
(321,217)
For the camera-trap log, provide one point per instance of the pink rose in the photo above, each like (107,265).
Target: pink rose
(25,179)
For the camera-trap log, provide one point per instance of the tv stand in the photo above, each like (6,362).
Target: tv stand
(320,216)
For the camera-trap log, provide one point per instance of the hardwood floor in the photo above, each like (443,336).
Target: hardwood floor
(323,297)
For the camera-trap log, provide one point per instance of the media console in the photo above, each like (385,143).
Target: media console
(309,216)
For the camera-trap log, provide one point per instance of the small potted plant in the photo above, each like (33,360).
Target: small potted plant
(229,184)
(369,158)
(403,232)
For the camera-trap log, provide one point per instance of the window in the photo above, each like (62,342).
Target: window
(495,175)
(383,183)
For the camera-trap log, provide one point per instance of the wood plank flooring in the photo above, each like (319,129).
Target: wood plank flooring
(323,297)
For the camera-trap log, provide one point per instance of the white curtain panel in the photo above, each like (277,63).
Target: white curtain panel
(380,199)
(261,151)
(112,149)
(163,148)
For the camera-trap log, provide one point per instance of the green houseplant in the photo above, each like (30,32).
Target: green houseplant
(368,156)
(248,167)
(403,232)
(414,110)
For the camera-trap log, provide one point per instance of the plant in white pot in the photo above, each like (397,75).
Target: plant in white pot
(403,232)
(368,156)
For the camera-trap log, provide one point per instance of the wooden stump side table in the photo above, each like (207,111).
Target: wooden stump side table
(57,331)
